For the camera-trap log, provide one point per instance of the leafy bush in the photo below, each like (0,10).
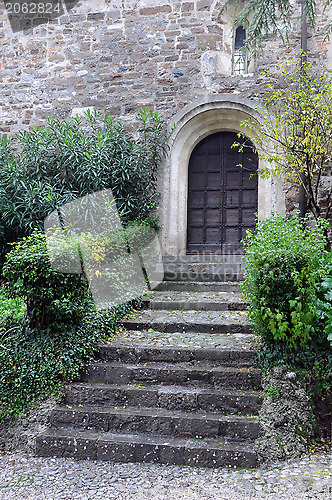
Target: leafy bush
(47,167)
(61,329)
(10,307)
(283,267)
(40,171)
(324,299)
(52,299)
(37,362)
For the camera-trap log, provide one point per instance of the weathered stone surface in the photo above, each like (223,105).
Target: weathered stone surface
(190,321)
(125,350)
(208,301)
(285,416)
(131,36)
(134,448)
(170,397)
(155,421)
(20,433)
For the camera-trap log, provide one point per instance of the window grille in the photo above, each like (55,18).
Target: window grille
(239,66)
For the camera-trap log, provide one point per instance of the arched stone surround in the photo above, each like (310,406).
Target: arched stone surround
(195,122)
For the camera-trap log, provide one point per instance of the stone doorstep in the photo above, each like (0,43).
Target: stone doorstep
(223,276)
(195,305)
(231,258)
(169,397)
(164,373)
(140,448)
(186,328)
(203,301)
(208,269)
(204,296)
(140,354)
(143,339)
(157,421)
(198,286)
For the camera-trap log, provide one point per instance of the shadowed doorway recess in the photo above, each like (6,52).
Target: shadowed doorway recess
(222,196)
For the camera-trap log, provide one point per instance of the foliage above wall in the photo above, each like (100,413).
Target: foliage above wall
(295,138)
(266,17)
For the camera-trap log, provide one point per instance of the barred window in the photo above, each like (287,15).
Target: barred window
(239,65)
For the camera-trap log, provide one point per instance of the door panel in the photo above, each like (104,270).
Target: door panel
(222,196)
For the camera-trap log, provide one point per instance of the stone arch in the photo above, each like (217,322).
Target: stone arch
(194,123)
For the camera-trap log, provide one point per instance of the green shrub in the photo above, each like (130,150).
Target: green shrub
(283,267)
(52,298)
(37,362)
(11,307)
(324,296)
(61,329)
(47,167)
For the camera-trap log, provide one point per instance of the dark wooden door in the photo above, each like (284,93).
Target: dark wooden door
(222,196)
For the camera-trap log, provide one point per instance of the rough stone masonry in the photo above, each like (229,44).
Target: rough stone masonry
(120,55)
(174,57)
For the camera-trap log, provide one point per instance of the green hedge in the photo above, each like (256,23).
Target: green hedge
(288,284)
(52,299)
(283,268)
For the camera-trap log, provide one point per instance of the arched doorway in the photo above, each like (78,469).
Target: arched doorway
(222,196)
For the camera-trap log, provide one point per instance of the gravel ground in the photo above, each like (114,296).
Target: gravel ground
(26,477)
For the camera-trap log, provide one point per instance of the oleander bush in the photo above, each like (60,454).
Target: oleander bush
(47,167)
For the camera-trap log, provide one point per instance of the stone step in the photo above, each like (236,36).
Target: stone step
(204,267)
(202,301)
(228,273)
(164,373)
(150,339)
(205,258)
(198,286)
(189,321)
(157,421)
(141,448)
(171,397)
(145,354)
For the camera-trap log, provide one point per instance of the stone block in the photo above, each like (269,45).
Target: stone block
(209,42)
(152,11)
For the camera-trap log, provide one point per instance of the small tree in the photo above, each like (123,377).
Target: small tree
(265,17)
(295,138)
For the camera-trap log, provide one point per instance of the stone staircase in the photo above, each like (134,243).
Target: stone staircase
(177,387)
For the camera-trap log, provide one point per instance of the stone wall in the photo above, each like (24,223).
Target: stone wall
(169,56)
(121,55)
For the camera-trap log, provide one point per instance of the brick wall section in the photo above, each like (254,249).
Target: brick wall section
(121,55)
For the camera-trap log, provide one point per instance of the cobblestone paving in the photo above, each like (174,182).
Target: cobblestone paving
(26,477)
